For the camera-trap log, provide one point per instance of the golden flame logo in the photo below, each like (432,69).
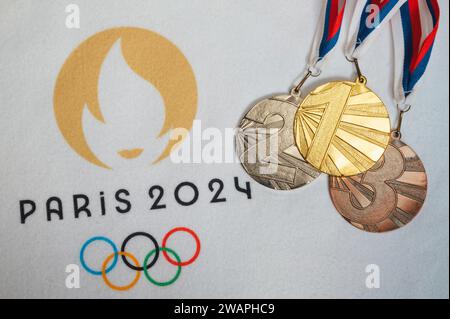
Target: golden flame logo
(150,56)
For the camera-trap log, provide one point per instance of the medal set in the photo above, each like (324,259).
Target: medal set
(342,128)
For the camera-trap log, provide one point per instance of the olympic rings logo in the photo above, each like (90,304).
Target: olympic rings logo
(150,259)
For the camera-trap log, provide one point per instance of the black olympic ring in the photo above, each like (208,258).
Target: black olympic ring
(155,243)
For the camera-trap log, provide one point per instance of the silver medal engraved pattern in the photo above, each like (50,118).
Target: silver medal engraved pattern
(266,148)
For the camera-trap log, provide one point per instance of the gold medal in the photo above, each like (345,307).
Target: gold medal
(342,128)
(386,197)
(270,122)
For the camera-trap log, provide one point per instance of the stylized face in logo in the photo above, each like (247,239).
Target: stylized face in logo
(153,66)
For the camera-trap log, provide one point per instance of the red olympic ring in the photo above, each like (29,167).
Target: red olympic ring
(197,251)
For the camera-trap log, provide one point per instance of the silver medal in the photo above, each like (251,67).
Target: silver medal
(266,148)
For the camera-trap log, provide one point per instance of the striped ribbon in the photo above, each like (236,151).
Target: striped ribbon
(327,33)
(414,31)
(368,19)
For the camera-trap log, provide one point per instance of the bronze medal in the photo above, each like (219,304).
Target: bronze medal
(386,197)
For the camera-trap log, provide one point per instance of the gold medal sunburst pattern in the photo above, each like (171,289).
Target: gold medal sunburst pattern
(342,128)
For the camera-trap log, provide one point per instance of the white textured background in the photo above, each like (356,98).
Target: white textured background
(275,245)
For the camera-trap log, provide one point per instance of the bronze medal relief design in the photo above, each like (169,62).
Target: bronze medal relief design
(386,197)
(342,128)
(265,145)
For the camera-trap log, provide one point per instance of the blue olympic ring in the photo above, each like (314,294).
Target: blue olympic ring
(98,272)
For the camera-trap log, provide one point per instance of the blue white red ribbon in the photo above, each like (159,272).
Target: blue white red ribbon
(414,25)
(369,18)
(414,31)
(328,31)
